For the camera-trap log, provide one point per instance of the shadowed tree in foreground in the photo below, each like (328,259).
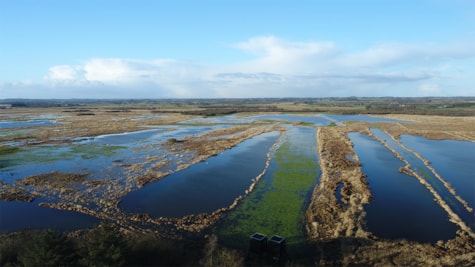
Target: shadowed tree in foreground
(47,248)
(104,246)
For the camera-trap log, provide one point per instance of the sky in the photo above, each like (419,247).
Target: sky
(236,49)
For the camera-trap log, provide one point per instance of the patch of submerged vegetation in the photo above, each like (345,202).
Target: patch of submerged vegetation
(94,151)
(7,150)
(277,204)
(6,153)
(429,178)
(11,156)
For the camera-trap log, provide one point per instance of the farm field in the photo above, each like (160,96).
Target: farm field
(342,186)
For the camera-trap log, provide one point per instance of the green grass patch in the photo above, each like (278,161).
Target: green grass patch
(429,178)
(5,153)
(7,150)
(94,151)
(43,154)
(277,204)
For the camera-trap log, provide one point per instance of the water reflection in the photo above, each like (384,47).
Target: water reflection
(206,186)
(16,216)
(430,177)
(401,207)
(27,123)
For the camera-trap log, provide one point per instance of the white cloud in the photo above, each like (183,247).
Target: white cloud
(393,54)
(279,68)
(63,73)
(430,89)
(277,55)
(108,70)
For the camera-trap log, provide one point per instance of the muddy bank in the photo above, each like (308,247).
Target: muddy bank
(11,193)
(52,179)
(326,218)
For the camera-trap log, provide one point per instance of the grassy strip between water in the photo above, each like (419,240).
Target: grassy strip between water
(277,204)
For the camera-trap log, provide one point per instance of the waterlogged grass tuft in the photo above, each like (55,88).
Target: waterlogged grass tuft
(277,204)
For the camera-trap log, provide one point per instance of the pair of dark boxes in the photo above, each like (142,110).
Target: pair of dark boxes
(274,247)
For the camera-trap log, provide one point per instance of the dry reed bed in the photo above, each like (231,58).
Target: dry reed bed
(326,218)
(433,127)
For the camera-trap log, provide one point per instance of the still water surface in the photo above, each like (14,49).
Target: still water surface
(453,160)
(15,216)
(401,206)
(206,186)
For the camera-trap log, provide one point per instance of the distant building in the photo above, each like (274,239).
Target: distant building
(5,106)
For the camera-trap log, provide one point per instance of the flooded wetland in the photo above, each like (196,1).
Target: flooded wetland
(378,188)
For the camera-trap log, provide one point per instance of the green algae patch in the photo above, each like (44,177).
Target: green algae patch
(44,154)
(7,150)
(277,204)
(94,151)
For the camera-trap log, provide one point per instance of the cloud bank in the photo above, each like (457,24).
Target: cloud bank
(278,68)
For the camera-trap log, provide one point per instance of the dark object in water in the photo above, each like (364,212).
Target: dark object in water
(258,243)
(276,248)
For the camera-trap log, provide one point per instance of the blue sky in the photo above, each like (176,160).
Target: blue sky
(248,48)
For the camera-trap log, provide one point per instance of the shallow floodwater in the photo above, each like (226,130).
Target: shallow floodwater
(341,118)
(16,216)
(464,180)
(315,119)
(401,206)
(26,123)
(453,160)
(206,186)
(278,203)
(107,157)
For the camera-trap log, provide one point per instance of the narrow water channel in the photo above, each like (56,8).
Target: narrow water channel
(401,208)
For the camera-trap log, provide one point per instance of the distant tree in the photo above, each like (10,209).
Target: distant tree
(47,248)
(104,246)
